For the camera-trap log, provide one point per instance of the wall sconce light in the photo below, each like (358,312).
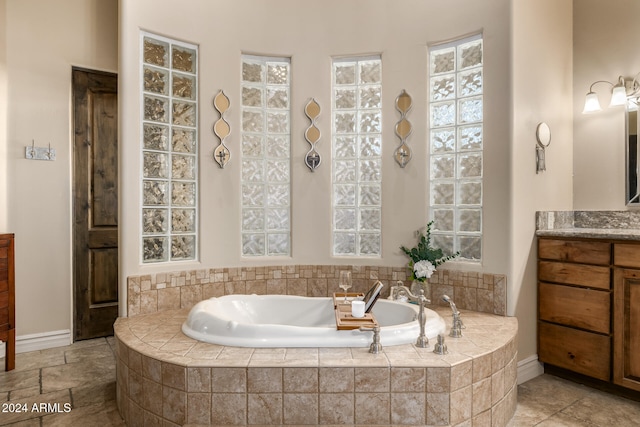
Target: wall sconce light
(620,91)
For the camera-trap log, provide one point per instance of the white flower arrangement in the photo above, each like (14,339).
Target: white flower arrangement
(424,258)
(423,269)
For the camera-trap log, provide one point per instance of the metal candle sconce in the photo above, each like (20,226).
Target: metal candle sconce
(543,137)
(312,135)
(222,129)
(403,129)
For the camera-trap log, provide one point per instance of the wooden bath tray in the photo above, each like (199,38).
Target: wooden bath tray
(338,298)
(345,321)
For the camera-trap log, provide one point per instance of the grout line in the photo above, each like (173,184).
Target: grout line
(71,399)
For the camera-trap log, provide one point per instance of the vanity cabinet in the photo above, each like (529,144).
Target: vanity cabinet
(626,285)
(574,306)
(589,308)
(7,299)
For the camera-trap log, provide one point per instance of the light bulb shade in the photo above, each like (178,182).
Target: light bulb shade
(618,96)
(591,103)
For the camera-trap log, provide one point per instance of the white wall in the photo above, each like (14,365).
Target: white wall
(527,79)
(3,117)
(542,92)
(312,33)
(44,39)
(605,47)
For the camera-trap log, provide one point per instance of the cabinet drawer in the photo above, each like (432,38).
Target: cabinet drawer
(575,251)
(578,307)
(583,352)
(589,276)
(626,255)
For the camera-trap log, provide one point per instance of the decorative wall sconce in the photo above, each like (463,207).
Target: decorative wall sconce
(403,129)
(222,129)
(312,135)
(620,91)
(543,136)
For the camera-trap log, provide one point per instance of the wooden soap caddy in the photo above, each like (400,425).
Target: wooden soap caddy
(344,319)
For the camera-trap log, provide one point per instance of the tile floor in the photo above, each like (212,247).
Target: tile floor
(78,384)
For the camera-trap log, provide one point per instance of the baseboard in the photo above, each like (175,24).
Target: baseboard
(529,368)
(43,341)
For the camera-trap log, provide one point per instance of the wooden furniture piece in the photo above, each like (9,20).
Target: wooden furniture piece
(7,300)
(626,338)
(589,308)
(344,319)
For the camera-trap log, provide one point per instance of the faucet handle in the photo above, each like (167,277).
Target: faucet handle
(375,346)
(440,347)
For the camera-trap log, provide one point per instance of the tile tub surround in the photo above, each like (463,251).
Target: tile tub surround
(146,294)
(166,378)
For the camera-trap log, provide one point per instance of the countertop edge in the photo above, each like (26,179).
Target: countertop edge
(592,233)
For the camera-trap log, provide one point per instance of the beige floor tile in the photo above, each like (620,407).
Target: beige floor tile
(22,393)
(93,394)
(34,422)
(91,371)
(14,380)
(541,397)
(562,420)
(100,414)
(84,353)
(35,406)
(606,410)
(39,359)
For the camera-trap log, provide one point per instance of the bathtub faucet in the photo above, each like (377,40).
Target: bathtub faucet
(400,289)
(457,327)
(375,346)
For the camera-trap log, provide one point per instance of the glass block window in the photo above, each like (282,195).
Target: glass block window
(456,141)
(357,164)
(169,76)
(265,135)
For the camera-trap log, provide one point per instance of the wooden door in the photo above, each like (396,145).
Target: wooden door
(95,203)
(626,326)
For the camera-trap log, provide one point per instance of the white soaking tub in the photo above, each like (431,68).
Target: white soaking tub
(295,321)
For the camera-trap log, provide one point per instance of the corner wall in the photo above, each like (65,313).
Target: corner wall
(542,92)
(44,39)
(3,115)
(311,34)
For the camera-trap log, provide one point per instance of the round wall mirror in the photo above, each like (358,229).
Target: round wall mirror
(543,134)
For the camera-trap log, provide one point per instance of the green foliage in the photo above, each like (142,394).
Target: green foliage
(424,251)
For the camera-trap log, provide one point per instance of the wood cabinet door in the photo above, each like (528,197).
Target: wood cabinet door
(626,326)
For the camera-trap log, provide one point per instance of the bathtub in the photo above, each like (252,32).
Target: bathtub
(295,321)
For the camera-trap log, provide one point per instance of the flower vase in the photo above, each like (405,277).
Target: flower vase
(426,286)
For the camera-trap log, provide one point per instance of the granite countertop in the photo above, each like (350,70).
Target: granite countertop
(615,225)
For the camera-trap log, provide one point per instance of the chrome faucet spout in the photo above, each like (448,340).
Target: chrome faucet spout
(447,299)
(458,326)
